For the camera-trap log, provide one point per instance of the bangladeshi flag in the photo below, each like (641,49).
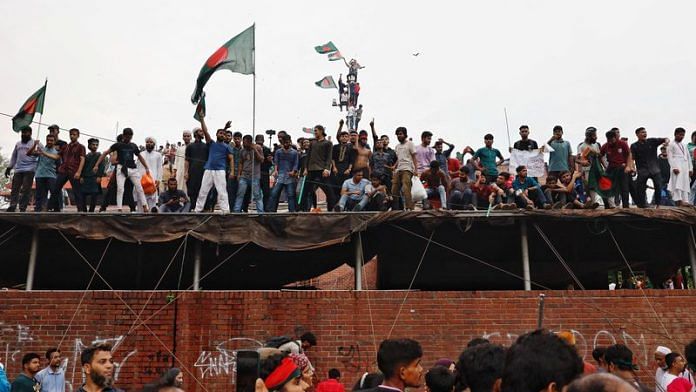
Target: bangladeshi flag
(34,104)
(237,55)
(200,108)
(601,182)
(326,82)
(326,48)
(335,56)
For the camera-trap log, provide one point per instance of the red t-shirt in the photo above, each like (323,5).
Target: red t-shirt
(453,166)
(70,156)
(330,385)
(617,153)
(483,190)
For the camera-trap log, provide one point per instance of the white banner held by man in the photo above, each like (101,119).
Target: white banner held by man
(534,160)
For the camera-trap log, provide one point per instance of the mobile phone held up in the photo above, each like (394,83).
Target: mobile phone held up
(247,370)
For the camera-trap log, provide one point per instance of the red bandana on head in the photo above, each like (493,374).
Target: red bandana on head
(286,371)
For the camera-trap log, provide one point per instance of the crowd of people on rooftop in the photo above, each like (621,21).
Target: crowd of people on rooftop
(228,170)
(538,361)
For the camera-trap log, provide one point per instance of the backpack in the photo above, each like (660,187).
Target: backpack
(276,342)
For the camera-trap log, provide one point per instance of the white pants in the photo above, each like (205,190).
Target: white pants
(151,200)
(679,195)
(134,176)
(218,179)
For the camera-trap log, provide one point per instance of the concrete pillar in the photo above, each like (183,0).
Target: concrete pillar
(197,259)
(525,255)
(357,244)
(692,253)
(33,252)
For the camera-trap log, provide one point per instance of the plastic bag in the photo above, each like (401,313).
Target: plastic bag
(417,190)
(148,184)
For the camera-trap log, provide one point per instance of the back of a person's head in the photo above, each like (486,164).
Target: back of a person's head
(309,338)
(600,382)
(397,352)
(334,373)
(480,366)
(476,341)
(598,353)
(619,356)
(690,354)
(439,379)
(538,359)
(368,381)
(169,377)
(268,365)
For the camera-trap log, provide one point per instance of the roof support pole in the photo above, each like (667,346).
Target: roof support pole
(197,259)
(33,251)
(692,253)
(525,255)
(357,244)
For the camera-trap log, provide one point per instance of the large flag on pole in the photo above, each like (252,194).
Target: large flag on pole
(34,104)
(237,55)
(326,48)
(327,82)
(335,56)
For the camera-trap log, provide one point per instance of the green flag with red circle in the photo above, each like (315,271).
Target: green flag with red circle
(237,55)
(31,106)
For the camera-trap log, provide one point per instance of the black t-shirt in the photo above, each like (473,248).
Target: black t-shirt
(197,155)
(525,145)
(126,153)
(266,165)
(343,155)
(645,154)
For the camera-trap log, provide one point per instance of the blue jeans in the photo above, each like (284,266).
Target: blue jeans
(535,194)
(431,192)
(459,200)
(186,207)
(275,194)
(256,193)
(232,186)
(345,202)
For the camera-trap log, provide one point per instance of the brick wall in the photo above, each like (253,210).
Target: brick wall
(208,326)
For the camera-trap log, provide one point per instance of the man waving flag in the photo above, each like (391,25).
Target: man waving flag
(237,55)
(34,104)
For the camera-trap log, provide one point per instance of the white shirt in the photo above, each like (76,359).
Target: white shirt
(154,163)
(659,373)
(666,380)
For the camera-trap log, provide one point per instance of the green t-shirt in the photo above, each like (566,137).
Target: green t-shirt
(487,157)
(558,159)
(25,384)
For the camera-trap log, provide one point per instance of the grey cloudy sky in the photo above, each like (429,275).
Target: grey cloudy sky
(602,63)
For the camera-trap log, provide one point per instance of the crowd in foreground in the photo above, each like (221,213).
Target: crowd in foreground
(229,170)
(538,361)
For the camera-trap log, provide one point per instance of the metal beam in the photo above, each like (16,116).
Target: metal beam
(32,260)
(525,255)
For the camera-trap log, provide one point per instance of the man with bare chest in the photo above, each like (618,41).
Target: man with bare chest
(362,156)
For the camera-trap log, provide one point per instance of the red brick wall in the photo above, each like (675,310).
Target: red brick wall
(209,326)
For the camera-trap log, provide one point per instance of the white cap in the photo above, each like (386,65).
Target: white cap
(662,350)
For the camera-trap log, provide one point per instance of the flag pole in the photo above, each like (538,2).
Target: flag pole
(508,127)
(38,127)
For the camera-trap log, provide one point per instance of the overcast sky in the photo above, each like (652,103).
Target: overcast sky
(601,63)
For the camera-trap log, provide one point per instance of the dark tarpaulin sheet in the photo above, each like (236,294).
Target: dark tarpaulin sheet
(294,232)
